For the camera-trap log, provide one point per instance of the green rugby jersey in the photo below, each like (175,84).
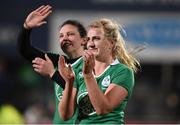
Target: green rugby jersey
(115,73)
(58,96)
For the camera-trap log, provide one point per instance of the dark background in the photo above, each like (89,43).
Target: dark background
(156,95)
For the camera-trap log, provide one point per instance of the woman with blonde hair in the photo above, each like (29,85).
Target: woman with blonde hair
(104,80)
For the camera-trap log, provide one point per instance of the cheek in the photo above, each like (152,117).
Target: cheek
(105,48)
(60,43)
(73,37)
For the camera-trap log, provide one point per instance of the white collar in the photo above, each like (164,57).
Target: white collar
(115,62)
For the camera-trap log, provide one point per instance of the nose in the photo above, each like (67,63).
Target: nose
(91,42)
(64,38)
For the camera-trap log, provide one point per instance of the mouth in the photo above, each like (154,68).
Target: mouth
(66,44)
(93,49)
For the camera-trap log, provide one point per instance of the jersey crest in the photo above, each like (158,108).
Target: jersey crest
(106,81)
(80,75)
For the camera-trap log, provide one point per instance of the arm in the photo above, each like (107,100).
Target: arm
(67,104)
(106,102)
(45,67)
(58,79)
(34,19)
(25,48)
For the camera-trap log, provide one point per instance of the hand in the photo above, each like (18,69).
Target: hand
(37,17)
(65,70)
(44,67)
(89,62)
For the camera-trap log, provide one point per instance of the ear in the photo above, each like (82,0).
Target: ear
(112,43)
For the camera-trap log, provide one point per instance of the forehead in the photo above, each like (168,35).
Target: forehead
(68,28)
(95,31)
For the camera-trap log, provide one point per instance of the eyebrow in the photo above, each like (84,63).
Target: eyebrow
(94,37)
(69,32)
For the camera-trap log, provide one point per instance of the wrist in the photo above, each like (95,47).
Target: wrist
(88,76)
(26,26)
(51,73)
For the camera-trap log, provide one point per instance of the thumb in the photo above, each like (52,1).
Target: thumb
(62,61)
(41,23)
(47,58)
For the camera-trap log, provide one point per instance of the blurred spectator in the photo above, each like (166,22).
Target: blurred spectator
(10,115)
(36,113)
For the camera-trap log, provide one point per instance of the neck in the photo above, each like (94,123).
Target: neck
(100,66)
(75,54)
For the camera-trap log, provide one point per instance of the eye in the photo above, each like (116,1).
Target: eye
(96,38)
(61,35)
(70,34)
(87,39)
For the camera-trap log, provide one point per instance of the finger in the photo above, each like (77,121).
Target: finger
(62,61)
(89,52)
(36,66)
(91,56)
(39,60)
(39,9)
(34,61)
(47,14)
(87,56)
(41,23)
(71,69)
(35,69)
(44,9)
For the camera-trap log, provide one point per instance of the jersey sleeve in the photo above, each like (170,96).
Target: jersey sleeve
(25,48)
(58,79)
(29,52)
(124,78)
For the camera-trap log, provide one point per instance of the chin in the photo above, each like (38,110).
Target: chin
(68,49)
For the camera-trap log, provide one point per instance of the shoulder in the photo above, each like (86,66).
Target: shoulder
(120,68)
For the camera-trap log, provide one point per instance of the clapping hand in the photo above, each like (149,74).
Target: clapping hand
(89,62)
(65,70)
